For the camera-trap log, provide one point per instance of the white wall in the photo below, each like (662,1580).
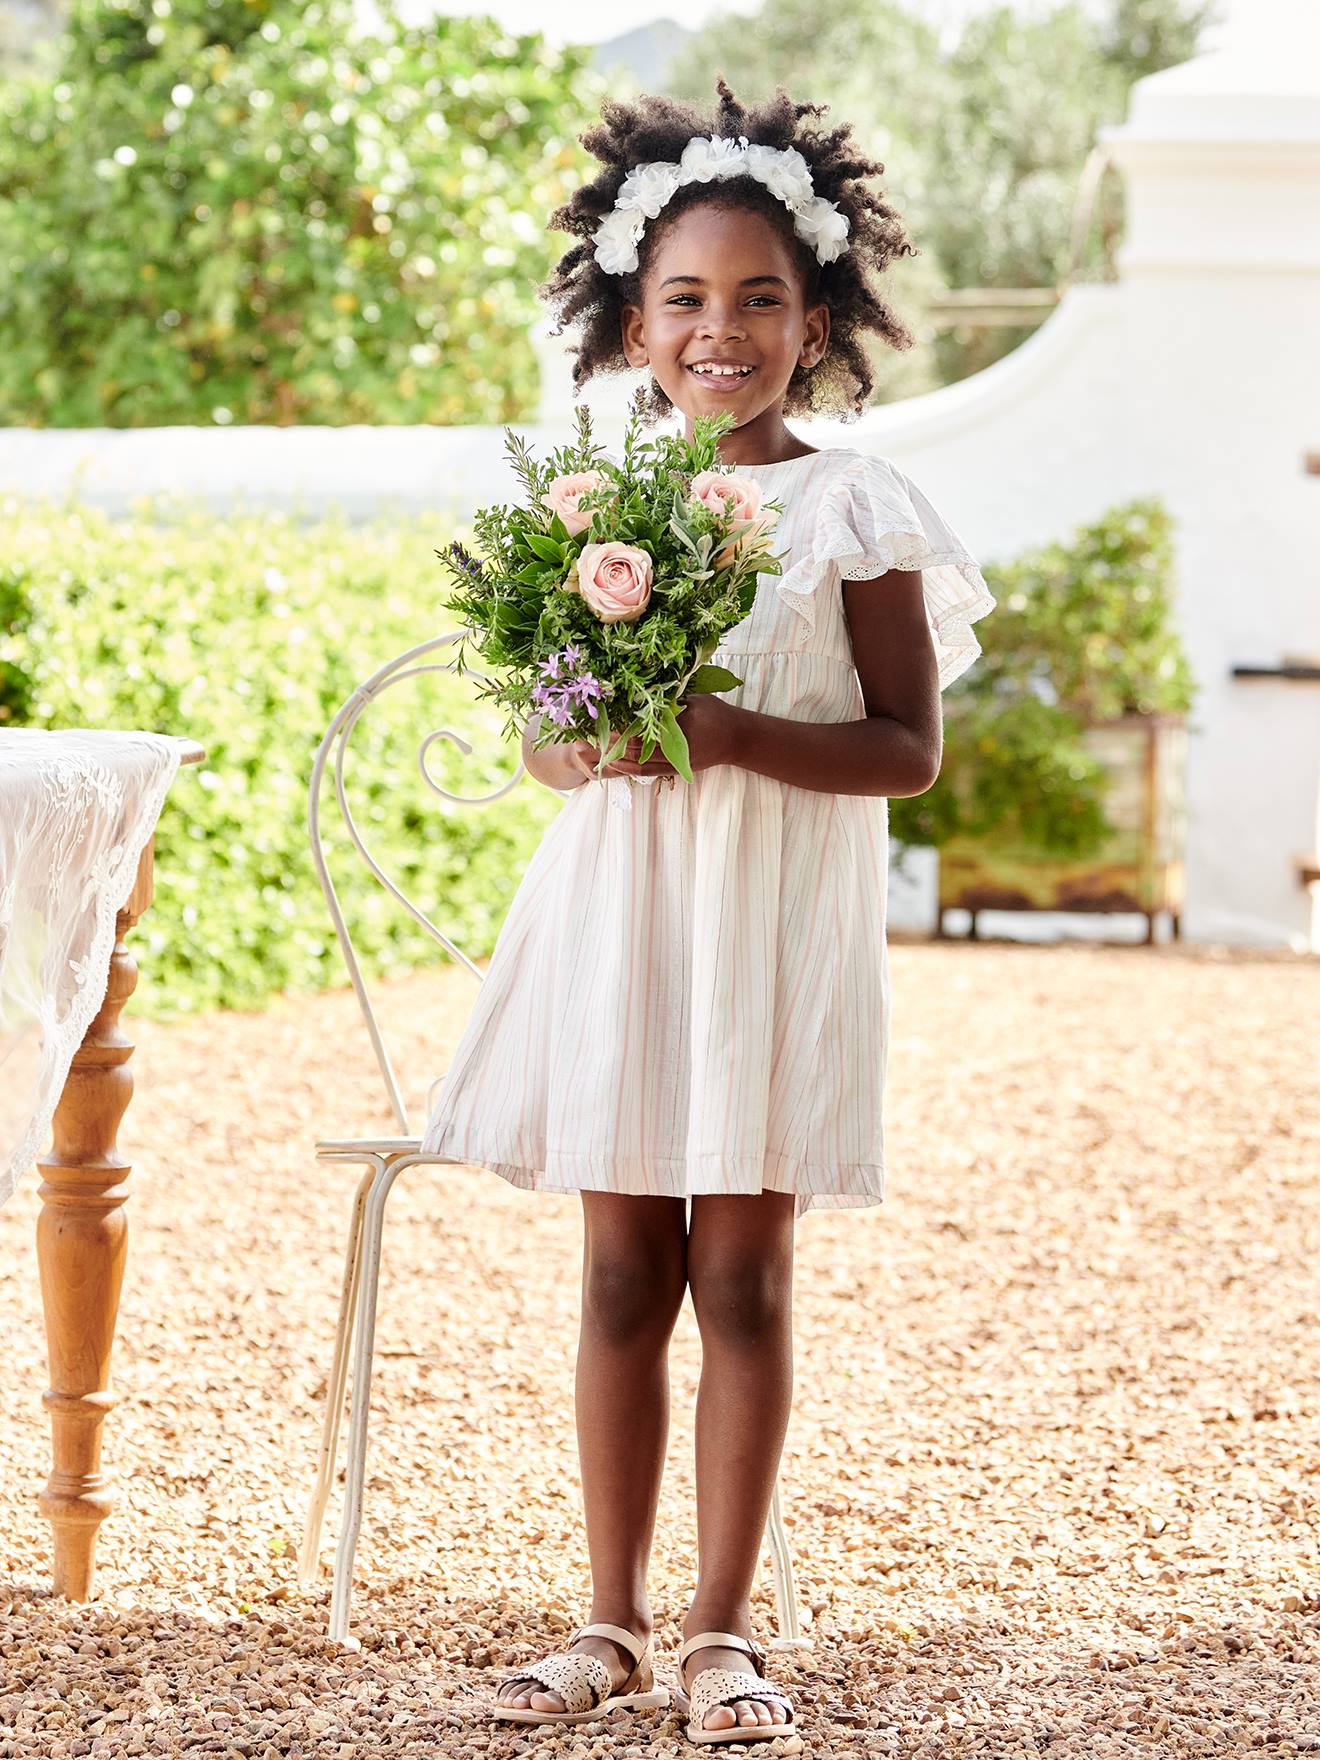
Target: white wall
(1195,377)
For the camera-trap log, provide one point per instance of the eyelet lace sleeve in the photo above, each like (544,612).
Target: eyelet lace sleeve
(873,518)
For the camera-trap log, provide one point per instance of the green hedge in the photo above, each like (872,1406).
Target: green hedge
(255,211)
(247,635)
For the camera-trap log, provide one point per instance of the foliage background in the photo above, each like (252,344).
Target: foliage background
(249,211)
(984,137)
(248,636)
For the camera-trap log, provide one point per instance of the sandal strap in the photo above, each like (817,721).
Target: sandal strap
(625,1639)
(582,1682)
(721,1641)
(721,1686)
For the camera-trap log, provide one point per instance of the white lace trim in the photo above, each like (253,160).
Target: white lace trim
(77,807)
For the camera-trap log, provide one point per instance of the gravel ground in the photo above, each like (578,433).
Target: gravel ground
(1050,1478)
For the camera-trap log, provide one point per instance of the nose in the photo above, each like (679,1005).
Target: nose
(718,323)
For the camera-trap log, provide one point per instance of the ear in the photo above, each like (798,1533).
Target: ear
(634,344)
(815,335)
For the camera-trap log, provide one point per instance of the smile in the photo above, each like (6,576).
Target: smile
(721,377)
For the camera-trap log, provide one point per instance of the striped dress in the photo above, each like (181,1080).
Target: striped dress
(693,995)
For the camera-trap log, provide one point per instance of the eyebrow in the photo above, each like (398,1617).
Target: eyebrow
(749,281)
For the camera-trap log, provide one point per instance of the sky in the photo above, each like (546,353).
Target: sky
(589,21)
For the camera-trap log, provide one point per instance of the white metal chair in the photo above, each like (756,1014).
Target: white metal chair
(385,1158)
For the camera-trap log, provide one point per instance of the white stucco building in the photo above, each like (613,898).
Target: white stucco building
(1194,377)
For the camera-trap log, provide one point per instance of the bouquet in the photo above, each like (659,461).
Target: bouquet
(600,600)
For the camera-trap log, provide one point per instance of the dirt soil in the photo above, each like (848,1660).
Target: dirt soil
(1050,1479)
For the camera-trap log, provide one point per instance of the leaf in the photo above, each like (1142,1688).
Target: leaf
(713,678)
(673,743)
(620,745)
(545,548)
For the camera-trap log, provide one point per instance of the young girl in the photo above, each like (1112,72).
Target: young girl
(689,1001)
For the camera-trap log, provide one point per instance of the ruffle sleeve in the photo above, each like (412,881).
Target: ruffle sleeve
(872,518)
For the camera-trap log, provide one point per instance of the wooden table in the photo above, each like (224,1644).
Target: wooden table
(82,1237)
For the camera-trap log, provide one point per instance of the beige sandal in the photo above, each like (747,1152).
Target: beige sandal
(721,1686)
(583,1682)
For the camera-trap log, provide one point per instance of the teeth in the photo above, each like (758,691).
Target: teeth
(723,372)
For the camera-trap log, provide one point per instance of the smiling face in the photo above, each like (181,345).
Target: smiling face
(723,289)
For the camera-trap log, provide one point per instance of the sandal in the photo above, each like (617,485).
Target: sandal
(721,1686)
(583,1682)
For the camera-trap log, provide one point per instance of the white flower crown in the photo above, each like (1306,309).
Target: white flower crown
(783,171)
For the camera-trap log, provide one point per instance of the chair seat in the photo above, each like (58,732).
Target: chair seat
(368,1146)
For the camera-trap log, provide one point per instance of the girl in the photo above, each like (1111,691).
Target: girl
(689,1001)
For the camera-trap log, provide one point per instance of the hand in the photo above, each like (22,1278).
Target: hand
(711,726)
(709,723)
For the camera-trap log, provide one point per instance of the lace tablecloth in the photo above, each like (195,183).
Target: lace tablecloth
(77,807)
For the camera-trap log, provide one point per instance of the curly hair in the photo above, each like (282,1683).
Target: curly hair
(580,292)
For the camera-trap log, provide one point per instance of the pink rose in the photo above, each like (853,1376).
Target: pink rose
(615,581)
(726,492)
(563,494)
(737,498)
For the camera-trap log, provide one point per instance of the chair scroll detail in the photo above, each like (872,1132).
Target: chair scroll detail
(384,1158)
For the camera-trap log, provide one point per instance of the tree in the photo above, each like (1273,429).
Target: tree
(984,140)
(261,211)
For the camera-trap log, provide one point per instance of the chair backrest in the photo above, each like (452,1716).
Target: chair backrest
(330,755)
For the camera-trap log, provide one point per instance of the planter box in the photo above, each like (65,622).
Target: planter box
(1139,869)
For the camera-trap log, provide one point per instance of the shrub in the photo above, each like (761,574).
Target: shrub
(1081,634)
(247,635)
(254,211)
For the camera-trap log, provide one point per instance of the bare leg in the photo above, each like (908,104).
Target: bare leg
(740,1267)
(634,1278)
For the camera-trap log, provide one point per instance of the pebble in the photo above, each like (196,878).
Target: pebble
(1096,1263)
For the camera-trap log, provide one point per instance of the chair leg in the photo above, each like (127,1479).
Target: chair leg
(308,1557)
(360,1401)
(786,1608)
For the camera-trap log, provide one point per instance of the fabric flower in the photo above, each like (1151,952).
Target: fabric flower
(821,225)
(563,494)
(615,581)
(617,238)
(648,187)
(714,156)
(785,174)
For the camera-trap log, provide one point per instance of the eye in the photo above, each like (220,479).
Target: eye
(768,297)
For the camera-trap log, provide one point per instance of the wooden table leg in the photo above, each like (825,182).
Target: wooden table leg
(82,1237)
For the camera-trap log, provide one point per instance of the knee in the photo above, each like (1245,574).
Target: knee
(741,1303)
(629,1297)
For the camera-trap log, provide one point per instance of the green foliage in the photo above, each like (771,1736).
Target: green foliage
(1081,634)
(254,211)
(983,138)
(247,635)
(521,606)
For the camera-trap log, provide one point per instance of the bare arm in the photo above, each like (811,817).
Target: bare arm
(898,748)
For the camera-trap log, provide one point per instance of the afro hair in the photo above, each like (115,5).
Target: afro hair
(583,294)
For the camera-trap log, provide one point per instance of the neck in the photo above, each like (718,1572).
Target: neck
(763,440)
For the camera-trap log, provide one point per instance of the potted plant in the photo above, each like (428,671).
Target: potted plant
(1064,750)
